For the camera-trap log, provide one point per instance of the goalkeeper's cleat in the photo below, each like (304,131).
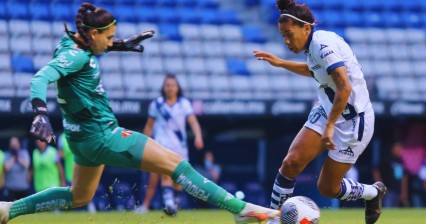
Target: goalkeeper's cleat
(4,211)
(373,207)
(255,214)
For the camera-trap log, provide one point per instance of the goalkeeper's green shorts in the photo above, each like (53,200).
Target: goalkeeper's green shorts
(116,147)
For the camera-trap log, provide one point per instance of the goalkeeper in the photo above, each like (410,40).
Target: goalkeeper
(93,133)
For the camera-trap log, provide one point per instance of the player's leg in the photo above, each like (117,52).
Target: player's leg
(168,195)
(85,182)
(304,148)
(160,160)
(153,180)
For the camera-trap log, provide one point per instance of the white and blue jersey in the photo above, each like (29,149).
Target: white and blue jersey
(328,51)
(170,124)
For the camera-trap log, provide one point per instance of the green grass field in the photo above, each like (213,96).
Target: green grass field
(348,216)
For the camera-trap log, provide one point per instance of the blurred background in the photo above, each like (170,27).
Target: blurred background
(249,111)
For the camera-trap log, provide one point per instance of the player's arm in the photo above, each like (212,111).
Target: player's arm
(147,130)
(196,129)
(296,67)
(343,91)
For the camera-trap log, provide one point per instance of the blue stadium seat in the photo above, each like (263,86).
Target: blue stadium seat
(217,66)
(125,13)
(228,16)
(332,19)
(171,48)
(39,11)
(352,5)
(374,19)
(189,31)
(187,3)
(3,12)
(3,28)
(253,34)
(393,19)
(166,15)
(166,3)
(105,3)
(170,31)
(207,4)
(237,66)
(195,65)
(189,15)
(147,14)
(376,5)
(5,63)
(22,63)
(62,11)
(411,19)
(393,5)
(251,3)
(210,17)
(213,48)
(352,18)
(4,48)
(17,10)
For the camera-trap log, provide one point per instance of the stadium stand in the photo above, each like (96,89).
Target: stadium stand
(208,40)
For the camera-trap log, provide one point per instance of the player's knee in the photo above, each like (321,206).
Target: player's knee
(291,165)
(327,190)
(79,199)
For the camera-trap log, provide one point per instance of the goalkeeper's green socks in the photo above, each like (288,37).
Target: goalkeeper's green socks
(202,188)
(47,200)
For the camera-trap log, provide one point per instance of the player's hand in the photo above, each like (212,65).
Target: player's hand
(266,56)
(41,128)
(327,138)
(198,143)
(131,43)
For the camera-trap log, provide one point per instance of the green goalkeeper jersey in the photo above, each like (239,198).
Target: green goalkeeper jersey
(82,99)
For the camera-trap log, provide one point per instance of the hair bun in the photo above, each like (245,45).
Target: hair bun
(283,5)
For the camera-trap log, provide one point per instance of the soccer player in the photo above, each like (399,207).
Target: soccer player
(92,130)
(167,117)
(342,123)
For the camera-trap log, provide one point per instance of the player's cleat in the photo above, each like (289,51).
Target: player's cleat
(255,214)
(4,212)
(170,211)
(141,210)
(373,207)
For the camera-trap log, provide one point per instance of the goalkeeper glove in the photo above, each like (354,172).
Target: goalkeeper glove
(132,43)
(41,128)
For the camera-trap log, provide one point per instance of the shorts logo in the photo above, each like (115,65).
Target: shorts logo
(347,152)
(126,133)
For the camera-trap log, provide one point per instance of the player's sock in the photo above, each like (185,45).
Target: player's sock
(47,200)
(351,190)
(178,197)
(283,189)
(168,197)
(202,188)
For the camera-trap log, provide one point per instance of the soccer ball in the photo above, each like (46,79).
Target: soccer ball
(300,210)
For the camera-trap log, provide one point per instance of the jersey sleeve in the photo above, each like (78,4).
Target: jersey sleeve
(69,62)
(152,110)
(328,54)
(187,107)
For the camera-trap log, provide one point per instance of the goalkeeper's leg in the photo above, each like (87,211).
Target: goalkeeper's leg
(83,188)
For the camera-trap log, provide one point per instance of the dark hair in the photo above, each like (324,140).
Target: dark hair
(300,11)
(90,17)
(171,76)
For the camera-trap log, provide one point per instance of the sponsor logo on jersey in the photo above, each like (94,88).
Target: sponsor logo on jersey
(126,133)
(325,54)
(63,62)
(192,189)
(92,63)
(347,151)
(70,127)
(323,46)
(316,67)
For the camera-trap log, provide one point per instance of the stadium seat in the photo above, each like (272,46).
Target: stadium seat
(220,83)
(39,11)
(125,13)
(5,63)
(62,11)
(402,67)
(3,12)
(398,52)
(171,48)
(415,36)
(216,66)
(42,45)
(153,65)
(195,65)
(199,82)
(41,60)
(189,15)
(332,18)
(208,4)
(170,31)
(261,85)
(174,65)
(192,49)
(234,49)
(19,28)
(210,32)
(281,86)
(375,35)
(127,29)
(419,69)
(4,47)
(17,10)
(253,34)
(256,67)
(236,66)
(374,19)
(166,15)
(379,51)
(352,19)
(361,51)
(210,16)
(147,14)
(411,19)
(276,48)
(376,5)
(113,84)
(134,86)
(393,19)
(40,28)
(3,27)
(383,67)
(240,83)
(396,36)
(152,49)
(7,88)
(58,29)
(356,35)
(131,63)
(228,16)
(21,45)
(189,32)
(231,33)
(154,83)
(110,62)
(213,48)
(166,3)
(21,81)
